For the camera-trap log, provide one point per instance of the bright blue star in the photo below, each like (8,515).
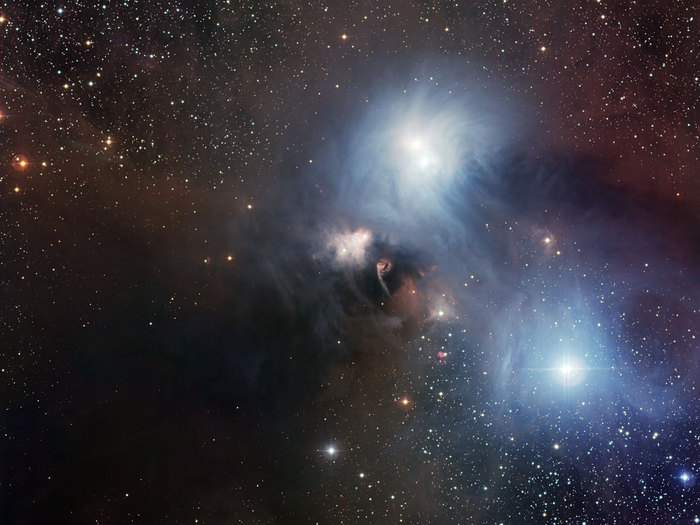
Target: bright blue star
(687,478)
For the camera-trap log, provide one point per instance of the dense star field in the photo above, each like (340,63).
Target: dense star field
(350,262)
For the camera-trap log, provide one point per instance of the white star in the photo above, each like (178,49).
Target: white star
(570,371)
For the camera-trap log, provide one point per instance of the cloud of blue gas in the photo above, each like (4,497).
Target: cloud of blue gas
(434,238)
(434,202)
(410,174)
(412,158)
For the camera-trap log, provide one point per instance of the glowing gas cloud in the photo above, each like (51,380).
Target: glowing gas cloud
(406,160)
(350,248)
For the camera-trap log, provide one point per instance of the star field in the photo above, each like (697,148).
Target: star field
(349,262)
